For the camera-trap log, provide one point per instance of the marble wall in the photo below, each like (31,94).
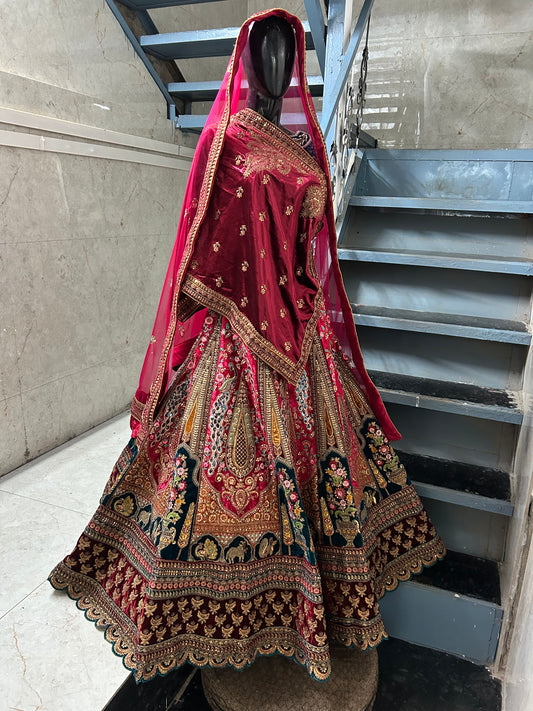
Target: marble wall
(91,186)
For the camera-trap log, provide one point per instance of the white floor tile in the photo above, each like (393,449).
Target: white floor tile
(73,476)
(53,659)
(34,537)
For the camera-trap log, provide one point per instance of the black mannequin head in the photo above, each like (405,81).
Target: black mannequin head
(268,62)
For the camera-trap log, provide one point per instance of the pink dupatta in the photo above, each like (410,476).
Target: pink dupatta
(171,338)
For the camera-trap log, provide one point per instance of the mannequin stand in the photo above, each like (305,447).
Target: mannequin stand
(274,683)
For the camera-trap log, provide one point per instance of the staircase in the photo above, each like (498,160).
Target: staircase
(436,254)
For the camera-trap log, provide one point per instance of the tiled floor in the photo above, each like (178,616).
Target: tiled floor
(52,659)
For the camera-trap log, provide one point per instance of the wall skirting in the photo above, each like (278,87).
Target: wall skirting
(89,141)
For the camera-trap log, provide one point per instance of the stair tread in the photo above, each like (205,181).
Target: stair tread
(465,575)
(206,90)
(192,44)
(447,204)
(464,392)
(464,320)
(472,262)
(470,478)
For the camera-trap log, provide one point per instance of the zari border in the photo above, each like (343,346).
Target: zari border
(259,346)
(100,609)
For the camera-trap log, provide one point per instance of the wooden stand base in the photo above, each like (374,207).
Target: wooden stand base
(279,684)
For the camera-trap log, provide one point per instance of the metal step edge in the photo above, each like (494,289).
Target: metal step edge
(207,90)
(424,259)
(154,4)
(445,329)
(194,44)
(444,204)
(440,619)
(463,498)
(456,407)
(196,122)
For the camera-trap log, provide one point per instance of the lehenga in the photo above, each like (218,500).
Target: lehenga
(259,507)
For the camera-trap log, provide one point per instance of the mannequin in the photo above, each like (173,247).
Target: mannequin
(268,62)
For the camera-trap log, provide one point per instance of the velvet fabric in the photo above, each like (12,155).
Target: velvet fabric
(223,232)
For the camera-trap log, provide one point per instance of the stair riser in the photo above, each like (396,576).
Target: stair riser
(470,531)
(461,360)
(448,291)
(451,236)
(443,620)
(457,438)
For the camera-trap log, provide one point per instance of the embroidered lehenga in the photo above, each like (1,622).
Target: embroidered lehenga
(259,507)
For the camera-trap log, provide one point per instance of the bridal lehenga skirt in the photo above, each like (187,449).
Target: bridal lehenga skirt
(257,517)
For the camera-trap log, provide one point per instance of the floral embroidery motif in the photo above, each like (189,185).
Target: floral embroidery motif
(194,264)
(262,156)
(219,281)
(152,339)
(282,313)
(299,271)
(262,216)
(262,253)
(302,236)
(217,214)
(300,303)
(216,246)
(285,245)
(264,325)
(238,159)
(289,209)
(339,490)
(287,346)
(266,179)
(244,301)
(283,279)
(314,201)
(243,230)
(244,266)
(239,192)
(263,288)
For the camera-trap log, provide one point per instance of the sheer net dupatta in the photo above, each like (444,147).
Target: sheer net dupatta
(173,331)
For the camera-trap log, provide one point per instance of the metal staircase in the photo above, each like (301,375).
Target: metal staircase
(436,254)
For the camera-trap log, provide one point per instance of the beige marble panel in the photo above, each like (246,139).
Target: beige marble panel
(398,20)
(61,409)
(13,435)
(52,658)
(147,119)
(443,94)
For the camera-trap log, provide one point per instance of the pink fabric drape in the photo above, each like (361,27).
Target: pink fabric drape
(171,338)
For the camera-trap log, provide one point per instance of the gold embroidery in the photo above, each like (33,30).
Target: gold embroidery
(289,209)
(216,246)
(194,264)
(314,201)
(262,216)
(217,214)
(244,301)
(282,313)
(285,245)
(283,279)
(239,192)
(300,303)
(263,288)
(244,266)
(287,346)
(303,236)
(262,253)
(264,325)
(266,179)
(263,156)
(299,271)
(238,159)
(243,230)
(152,339)
(219,281)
